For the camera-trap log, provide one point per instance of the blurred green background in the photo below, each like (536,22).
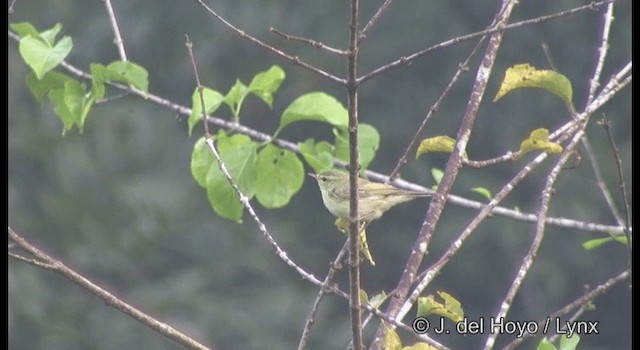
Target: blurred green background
(118,202)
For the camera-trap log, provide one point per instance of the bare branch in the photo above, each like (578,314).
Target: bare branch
(404,60)
(316,44)
(374,19)
(334,267)
(436,206)
(292,59)
(580,303)
(462,68)
(45,261)
(116,30)
(528,259)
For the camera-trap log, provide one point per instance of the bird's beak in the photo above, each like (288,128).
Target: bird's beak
(312,175)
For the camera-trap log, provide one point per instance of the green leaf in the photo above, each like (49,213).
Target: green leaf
(41,87)
(318,155)
(598,242)
(41,56)
(239,159)
(378,299)
(125,72)
(235,97)
(130,73)
(527,76)
(50,34)
(212,101)
(364,297)
(545,344)
(437,175)
(201,162)
(569,343)
(24,28)
(72,104)
(368,143)
(281,175)
(316,106)
(265,84)
(483,192)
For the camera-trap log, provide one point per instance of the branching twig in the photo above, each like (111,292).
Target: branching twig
(292,59)
(453,199)
(404,60)
(606,124)
(436,206)
(47,262)
(528,259)
(334,267)
(462,68)
(374,19)
(580,303)
(243,198)
(594,82)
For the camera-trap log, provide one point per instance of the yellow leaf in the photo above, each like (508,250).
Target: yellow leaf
(442,304)
(527,76)
(539,141)
(441,143)
(391,339)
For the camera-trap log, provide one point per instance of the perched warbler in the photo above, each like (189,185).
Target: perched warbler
(373,198)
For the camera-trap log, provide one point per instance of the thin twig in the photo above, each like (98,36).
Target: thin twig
(436,206)
(243,198)
(199,86)
(540,230)
(292,59)
(316,44)
(47,262)
(594,82)
(404,60)
(453,199)
(374,19)
(578,303)
(334,267)
(116,31)
(606,124)
(462,68)
(600,182)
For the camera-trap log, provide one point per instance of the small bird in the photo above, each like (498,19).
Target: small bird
(374,198)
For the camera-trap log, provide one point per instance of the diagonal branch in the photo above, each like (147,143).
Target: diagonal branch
(45,261)
(405,60)
(292,59)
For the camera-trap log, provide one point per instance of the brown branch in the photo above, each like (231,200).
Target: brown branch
(462,68)
(47,262)
(354,169)
(316,44)
(436,206)
(292,59)
(405,60)
(578,303)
